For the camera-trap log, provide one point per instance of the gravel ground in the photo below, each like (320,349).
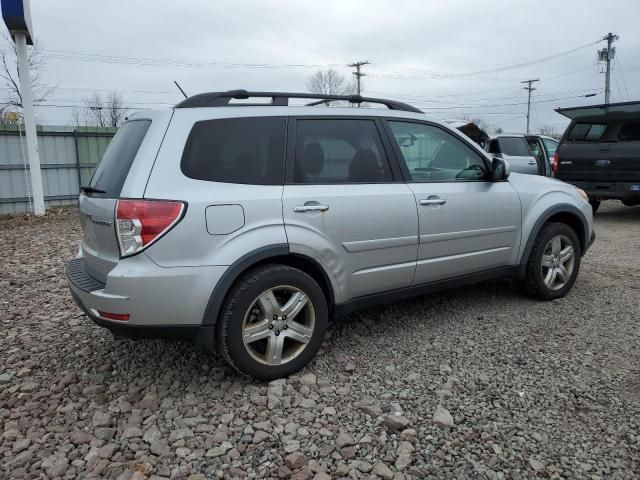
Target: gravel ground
(479,382)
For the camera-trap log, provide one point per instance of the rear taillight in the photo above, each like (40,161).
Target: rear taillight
(139,223)
(556,163)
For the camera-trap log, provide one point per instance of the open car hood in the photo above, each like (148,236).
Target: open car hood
(471,130)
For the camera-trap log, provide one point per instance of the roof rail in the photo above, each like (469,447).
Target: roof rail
(223,99)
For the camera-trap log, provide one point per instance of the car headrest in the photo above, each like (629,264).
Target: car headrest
(364,166)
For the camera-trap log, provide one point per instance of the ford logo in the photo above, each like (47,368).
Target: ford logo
(602,163)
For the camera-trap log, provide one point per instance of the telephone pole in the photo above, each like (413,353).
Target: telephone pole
(530,89)
(358,73)
(606,55)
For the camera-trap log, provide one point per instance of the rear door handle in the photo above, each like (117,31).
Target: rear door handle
(433,201)
(532,163)
(310,208)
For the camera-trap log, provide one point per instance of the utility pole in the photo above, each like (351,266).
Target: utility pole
(606,55)
(530,89)
(359,75)
(17,16)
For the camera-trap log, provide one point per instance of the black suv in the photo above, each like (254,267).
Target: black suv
(600,152)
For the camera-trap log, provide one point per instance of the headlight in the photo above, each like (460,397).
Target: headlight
(583,194)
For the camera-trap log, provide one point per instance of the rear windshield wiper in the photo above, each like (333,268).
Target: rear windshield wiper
(88,189)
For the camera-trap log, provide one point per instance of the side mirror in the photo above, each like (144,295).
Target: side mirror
(500,169)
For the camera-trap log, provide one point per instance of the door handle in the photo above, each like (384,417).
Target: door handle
(531,162)
(310,208)
(433,201)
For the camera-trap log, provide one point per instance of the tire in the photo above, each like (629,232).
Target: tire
(534,282)
(595,204)
(279,348)
(630,202)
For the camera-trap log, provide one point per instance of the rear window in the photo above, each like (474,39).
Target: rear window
(236,150)
(586,132)
(118,157)
(515,146)
(630,132)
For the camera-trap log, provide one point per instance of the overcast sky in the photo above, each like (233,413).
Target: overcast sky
(421,52)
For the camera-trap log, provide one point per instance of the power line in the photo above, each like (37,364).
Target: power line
(92,57)
(498,69)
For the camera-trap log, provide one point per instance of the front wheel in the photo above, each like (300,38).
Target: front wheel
(554,262)
(273,323)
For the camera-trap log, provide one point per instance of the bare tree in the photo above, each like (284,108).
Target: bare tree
(498,130)
(101,111)
(11,97)
(549,130)
(329,82)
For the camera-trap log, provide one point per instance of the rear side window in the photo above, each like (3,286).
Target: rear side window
(586,132)
(514,146)
(236,150)
(117,159)
(339,151)
(630,132)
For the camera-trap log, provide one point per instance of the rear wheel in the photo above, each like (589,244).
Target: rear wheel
(273,323)
(554,262)
(595,203)
(631,202)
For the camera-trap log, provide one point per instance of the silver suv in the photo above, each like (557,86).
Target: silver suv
(247,226)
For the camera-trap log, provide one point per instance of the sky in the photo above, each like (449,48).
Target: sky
(461,59)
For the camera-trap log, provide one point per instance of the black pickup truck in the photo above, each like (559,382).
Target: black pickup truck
(600,152)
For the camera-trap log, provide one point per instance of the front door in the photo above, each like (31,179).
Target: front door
(344,207)
(466,223)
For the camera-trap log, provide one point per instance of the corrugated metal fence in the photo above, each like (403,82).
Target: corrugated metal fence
(68,156)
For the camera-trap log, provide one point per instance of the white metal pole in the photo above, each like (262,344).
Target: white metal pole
(29,123)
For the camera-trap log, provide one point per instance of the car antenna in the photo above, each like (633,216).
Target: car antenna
(181,90)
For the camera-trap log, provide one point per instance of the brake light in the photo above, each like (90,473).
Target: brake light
(139,223)
(556,163)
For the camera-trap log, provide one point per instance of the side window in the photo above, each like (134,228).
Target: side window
(339,151)
(434,155)
(236,150)
(551,145)
(514,146)
(630,132)
(535,147)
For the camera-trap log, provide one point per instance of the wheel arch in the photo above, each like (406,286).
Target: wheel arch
(271,254)
(564,213)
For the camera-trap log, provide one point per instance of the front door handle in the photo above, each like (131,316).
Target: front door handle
(532,162)
(433,201)
(310,208)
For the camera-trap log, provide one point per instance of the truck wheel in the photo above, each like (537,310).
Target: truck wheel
(631,202)
(273,322)
(554,262)
(595,203)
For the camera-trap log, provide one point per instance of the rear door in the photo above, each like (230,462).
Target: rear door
(344,206)
(123,171)
(516,151)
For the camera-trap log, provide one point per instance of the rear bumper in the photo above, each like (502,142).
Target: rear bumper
(609,189)
(161,302)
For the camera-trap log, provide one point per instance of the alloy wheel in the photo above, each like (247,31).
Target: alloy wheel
(278,325)
(558,260)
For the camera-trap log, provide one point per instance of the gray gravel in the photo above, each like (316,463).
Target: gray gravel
(479,382)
